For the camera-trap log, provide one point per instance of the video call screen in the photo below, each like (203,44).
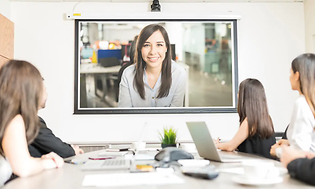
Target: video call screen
(205,49)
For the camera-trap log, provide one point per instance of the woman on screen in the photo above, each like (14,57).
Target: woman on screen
(21,94)
(155,80)
(256,133)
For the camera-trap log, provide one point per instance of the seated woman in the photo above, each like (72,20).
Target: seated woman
(300,133)
(155,80)
(21,94)
(256,133)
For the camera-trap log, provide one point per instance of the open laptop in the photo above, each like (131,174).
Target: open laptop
(205,145)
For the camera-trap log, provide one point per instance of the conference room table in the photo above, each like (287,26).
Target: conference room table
(71,176)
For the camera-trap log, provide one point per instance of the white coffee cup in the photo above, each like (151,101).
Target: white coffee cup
(260,169)
(138,145)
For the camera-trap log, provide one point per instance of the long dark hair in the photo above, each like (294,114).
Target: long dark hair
(133,49)
(21,91)
(166,77)
(252,104)
(305,65)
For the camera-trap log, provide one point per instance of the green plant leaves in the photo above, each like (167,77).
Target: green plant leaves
(168,136)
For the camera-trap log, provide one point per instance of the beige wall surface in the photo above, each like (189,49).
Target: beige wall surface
(309,11)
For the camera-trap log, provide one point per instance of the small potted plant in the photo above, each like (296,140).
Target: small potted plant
(168,137)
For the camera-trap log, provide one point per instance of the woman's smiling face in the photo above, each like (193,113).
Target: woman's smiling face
(154,50)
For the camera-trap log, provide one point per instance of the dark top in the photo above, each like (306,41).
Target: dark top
(256,145)
(47,142)
(284,136)
(303,169)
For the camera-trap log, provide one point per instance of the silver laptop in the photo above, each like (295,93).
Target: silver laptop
(108,164)
(206,147)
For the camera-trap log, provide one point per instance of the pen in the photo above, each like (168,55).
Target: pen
(117,150)
(101,158)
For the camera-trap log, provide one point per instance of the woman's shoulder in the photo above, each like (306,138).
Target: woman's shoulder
(300,100)
(301,108)
(301,103)
(178,69)
(17,121)
(129,70)
(18,118)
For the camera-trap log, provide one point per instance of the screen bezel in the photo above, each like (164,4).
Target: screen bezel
(155,110)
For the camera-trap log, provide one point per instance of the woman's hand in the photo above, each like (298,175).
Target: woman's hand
(216,141)
(55,158)
(310,155)
(77,150)
(282,142)
(273,149)
(290,154)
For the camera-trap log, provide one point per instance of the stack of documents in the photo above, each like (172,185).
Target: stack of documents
(131,179)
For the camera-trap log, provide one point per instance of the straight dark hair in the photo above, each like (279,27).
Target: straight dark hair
(21,91)
(166,74)
(305,65)
(252,104)
(133,49)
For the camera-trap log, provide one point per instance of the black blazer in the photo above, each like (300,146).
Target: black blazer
(303,169)
(47,142)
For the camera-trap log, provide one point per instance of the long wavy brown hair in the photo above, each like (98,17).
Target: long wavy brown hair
(305,65)
(252,104)
(166,75)
(21,91)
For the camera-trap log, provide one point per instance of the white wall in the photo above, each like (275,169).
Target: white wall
(270,36)
(123,35)
(309,8)
(5,9)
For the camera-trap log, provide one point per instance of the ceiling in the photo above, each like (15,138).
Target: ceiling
(167,1)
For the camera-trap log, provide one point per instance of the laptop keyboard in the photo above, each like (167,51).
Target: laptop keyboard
(109,164)
(115,163)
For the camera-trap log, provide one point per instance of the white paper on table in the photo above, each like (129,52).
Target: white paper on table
(131,179)
(140,156)
(112,153)
(240,170)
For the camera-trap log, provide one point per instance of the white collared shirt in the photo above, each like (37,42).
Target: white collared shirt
(300,134)
(129,97)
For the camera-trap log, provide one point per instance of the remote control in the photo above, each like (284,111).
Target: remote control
(208,172)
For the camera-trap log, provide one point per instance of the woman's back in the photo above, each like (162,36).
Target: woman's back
(256,145)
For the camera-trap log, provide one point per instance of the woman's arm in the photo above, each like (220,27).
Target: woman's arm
(14,145)
(124,92)
(303,169)
(239,137)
